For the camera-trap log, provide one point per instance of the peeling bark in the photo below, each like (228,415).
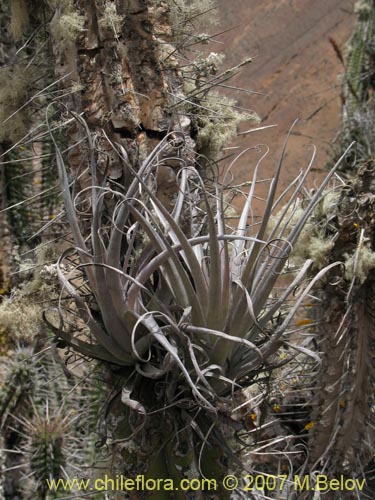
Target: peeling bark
(126,86)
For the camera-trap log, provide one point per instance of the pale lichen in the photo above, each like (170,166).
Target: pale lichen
(364,9)
(110,19)
(215,119)
(21,313)
(359,264)
(205,66)
(187,16)
(67,23)
(316,248)
(20,320)
(312,243)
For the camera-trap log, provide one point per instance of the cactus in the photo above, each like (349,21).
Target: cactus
(343,441)
(46,437)
(358,109)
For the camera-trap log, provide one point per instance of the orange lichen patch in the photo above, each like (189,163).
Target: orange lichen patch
(309,425)
(4,342)
(303,322)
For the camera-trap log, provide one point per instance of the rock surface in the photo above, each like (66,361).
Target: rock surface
(295,70)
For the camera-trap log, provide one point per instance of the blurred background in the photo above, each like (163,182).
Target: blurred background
(295,73)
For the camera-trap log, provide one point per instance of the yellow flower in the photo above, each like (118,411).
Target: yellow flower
(253,416)
(276,407)
(309,425)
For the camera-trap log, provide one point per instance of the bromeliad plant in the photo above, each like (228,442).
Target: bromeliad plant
(186,310)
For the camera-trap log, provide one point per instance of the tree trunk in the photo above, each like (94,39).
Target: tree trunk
(121,63)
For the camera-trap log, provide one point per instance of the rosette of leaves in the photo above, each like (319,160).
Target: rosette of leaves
(185,310)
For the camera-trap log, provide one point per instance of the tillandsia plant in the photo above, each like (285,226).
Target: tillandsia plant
(187,311)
